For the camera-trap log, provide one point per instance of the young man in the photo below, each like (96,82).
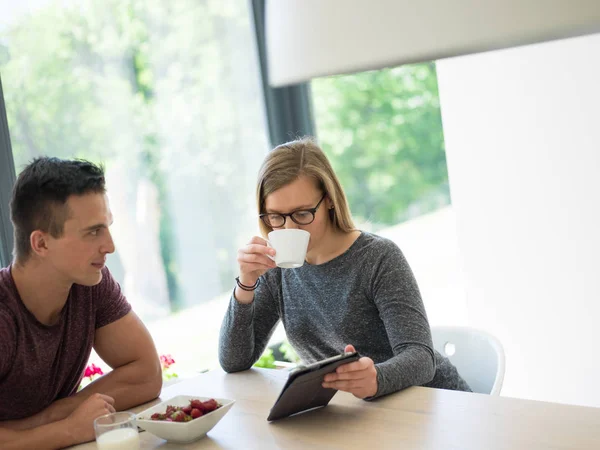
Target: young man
(57,301)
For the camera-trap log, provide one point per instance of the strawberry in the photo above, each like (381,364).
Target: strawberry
(195,409)
(197,404)
(210,405)
(178,416)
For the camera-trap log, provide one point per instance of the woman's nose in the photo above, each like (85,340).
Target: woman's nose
(290,224)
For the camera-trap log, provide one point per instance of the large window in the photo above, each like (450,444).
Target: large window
(383,132)
(167,96)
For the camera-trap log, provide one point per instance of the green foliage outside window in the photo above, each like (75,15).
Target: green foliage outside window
(87,81)
(149,87)
(285,352)
(382,131)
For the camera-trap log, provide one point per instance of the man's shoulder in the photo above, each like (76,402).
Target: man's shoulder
(8,295)
(5,278)
(109,301)
(99,300)
(8,305)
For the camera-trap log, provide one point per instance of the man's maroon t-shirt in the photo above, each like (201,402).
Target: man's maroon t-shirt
(40,364)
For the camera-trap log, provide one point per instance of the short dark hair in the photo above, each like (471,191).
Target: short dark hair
(40,195)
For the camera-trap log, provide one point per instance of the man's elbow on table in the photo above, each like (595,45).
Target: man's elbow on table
(152,382)
(136,365)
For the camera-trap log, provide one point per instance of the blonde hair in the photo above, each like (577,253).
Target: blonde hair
(286,163)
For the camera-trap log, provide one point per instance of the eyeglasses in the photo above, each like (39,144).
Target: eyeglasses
(300,216)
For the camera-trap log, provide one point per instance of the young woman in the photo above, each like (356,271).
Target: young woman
(354,292)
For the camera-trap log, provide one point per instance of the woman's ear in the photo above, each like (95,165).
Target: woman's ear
(328,202)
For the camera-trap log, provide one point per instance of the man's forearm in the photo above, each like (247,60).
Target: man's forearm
(24,424)
(58,410)
(130,385)
(47,437)
(145,377)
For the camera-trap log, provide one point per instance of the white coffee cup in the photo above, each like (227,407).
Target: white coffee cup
(290,247)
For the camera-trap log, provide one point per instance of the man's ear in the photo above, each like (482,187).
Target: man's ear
(39,242)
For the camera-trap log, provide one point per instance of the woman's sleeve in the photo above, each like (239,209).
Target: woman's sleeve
(401,309)
(247,328)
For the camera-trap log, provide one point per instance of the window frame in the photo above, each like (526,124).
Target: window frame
(288,109)
(7,180)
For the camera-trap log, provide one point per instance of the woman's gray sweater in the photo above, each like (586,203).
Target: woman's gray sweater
(367,297)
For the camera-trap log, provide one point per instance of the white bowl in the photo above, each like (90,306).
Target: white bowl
(182,432)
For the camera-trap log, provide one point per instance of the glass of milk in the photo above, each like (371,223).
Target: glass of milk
(117,431)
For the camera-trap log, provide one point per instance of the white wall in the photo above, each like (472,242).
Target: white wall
(522,131)
(430,246)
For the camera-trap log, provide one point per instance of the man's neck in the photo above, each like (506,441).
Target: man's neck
(41,290)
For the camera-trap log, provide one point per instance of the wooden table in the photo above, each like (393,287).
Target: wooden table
(416,418)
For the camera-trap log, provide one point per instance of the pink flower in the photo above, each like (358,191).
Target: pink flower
(92,370)
(166,361)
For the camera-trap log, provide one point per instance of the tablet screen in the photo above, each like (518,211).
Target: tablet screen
(303,390)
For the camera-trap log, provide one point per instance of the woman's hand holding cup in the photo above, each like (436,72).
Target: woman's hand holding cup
(254,261)
(260,255)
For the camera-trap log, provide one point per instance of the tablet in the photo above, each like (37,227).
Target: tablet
(303,390)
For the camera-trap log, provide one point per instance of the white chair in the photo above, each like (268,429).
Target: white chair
(477,355)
